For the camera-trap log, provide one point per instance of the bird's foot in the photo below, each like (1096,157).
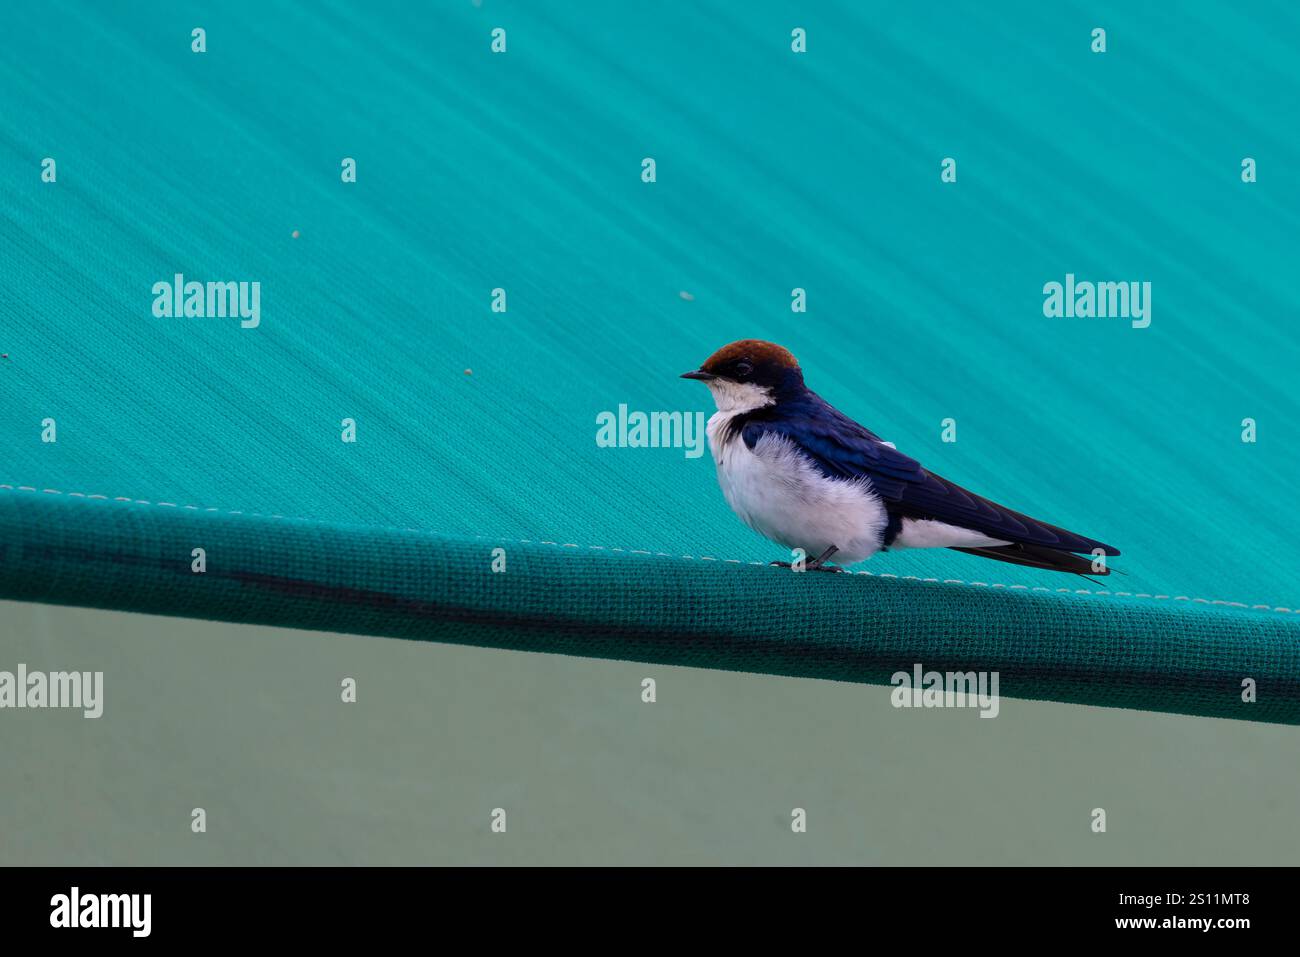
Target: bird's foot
(810,567)
(818,564)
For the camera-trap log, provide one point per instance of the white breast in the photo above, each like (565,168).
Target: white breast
(780,494)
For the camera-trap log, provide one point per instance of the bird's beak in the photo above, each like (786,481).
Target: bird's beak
(699,374)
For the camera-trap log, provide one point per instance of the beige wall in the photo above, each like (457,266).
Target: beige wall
(247,723)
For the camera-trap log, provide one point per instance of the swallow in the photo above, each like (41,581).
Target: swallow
(801,473)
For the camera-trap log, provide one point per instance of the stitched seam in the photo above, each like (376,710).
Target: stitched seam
(703,558)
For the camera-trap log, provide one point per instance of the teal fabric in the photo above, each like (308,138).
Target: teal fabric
(775,171)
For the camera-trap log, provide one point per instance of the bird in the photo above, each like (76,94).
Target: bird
(804,475)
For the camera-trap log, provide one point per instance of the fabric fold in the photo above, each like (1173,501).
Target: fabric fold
(1102,650)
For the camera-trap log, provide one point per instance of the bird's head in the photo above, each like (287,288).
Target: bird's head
(749,374)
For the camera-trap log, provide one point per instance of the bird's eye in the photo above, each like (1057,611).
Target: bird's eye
(744,368)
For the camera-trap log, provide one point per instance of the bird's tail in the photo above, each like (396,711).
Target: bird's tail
(1039,556)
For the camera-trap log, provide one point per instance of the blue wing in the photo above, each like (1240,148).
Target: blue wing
(843,449)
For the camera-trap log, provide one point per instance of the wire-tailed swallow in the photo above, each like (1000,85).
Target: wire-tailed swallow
(800,472)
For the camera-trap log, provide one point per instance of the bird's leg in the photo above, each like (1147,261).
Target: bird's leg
(818,564)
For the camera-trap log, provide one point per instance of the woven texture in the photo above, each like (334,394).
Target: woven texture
(775,170)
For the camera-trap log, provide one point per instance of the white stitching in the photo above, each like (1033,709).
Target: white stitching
(707,558)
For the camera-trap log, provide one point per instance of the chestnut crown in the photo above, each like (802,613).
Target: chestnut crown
(752,361)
